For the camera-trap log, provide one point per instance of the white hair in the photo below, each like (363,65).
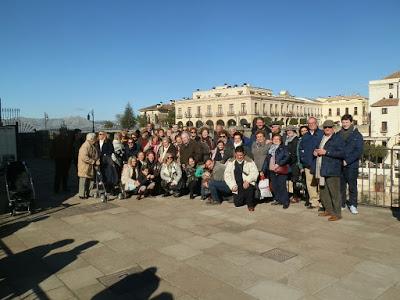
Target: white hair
(185,134)
(91,136)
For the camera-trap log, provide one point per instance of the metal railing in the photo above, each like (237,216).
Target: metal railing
(379,178)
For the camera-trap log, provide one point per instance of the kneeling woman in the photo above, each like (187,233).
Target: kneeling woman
(171,177)
(276,166)
(146,183)
(130,175)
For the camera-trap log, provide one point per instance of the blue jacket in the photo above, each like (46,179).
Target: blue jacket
(332,161)
(282,157)
(309,142)
(354,146)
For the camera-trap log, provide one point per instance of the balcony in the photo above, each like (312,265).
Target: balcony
(179,116)
(219,114)
(230,113)
(243,113)
(188,115)
(198,115)
(208,114)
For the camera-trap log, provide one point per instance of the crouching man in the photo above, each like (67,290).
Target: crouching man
(241,175)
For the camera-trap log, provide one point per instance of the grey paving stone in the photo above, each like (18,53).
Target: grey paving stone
(270,290)
(180,251)
(80,278)
(199,242)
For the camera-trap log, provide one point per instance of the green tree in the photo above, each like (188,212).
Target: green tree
(293,122)
(127,119)
(170,117)
(268,121)
(108,124)
(374,153)
(303,121)
(141,120)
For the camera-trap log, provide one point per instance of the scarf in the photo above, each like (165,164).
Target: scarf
(289,139)
(237,145)
(324,140)
(272,149)
(345,133)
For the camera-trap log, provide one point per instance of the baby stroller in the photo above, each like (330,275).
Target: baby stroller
(19,186)
(100,186)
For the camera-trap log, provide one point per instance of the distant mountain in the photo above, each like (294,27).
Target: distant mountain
(31,124)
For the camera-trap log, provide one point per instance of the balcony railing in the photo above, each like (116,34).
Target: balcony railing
(188,115)
(198,115)
(243,113)
(179,116)
(208,114)
(219,114)
(379,178)
(230,113)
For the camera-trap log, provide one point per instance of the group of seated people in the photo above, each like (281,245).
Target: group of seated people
(224,165)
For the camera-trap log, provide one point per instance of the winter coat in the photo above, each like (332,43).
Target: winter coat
(259,152)
(171,149)
(250,172)
(129,176)
(309,142)
(332,161)
(293,159)
(172,172)
(87,157)
(191,149)
(354,147)
(282,157)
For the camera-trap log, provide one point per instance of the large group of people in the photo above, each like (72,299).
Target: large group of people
(271,165)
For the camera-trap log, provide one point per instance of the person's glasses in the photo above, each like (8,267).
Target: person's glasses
(222,136)
(193,132)
(170,157)
(130,142)
(328,127)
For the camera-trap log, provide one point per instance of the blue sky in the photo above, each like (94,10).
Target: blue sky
(67,57)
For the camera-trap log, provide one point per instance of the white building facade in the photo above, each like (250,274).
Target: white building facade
(385,109)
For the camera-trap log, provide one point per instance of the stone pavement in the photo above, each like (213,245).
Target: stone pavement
(168,248)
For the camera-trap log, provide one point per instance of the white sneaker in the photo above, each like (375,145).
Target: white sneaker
(353,210)
(344,208)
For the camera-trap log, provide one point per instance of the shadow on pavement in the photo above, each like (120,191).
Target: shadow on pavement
(25,271)
(140,285)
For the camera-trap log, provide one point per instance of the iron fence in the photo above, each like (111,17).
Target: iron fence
(379,179)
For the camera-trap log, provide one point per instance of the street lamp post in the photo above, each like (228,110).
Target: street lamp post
(88,117)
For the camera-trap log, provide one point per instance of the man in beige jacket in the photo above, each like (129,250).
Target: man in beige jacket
(88,157)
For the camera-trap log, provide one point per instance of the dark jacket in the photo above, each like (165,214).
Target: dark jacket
(332,161)
(254,130)
(282,157)
(107,148)
(192,149)
(309,142)
(293,159)
(131,151)
(354,147)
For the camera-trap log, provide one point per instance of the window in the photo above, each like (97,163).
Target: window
(330,112)
(390,96)
(189,112)
(198,110)
(264,110)
(390,85)
(198,96)
(355,122)
(271,108)
(384,127)
(231,108)
(384,144)
(219,108)
(209,109)
(338,111)
(384,110)
(179,111)
(256,108)
(355,111)
(346,110)
(243,107)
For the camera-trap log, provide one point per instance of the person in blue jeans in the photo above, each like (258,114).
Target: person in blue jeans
(354,146)
(213,180)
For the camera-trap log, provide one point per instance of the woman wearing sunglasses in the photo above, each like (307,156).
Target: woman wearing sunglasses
(171,177)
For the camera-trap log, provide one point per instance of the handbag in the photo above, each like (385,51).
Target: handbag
(282,170)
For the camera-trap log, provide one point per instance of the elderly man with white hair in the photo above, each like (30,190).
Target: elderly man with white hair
(189,148)
(88,157)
